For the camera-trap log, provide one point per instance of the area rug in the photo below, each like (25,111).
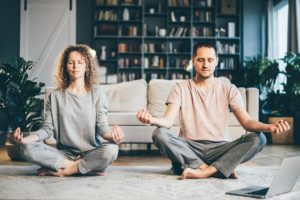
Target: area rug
(131,182)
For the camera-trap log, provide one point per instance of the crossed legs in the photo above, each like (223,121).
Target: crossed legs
(203,159)
(58,163)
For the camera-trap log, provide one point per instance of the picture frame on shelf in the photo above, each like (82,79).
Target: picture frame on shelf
(229,7)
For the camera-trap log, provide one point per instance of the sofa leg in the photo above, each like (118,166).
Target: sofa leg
(148,147)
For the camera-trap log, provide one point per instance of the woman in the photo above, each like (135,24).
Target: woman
(76,113)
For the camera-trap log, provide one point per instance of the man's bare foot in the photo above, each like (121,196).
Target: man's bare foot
(95,173)
(189,173)
(233,175)
(203,166)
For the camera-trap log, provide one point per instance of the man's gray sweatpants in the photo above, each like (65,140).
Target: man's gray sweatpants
(47,156)
(225,156)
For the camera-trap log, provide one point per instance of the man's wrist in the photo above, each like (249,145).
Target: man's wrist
(153,122)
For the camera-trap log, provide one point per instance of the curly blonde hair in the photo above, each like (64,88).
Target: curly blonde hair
(61,76)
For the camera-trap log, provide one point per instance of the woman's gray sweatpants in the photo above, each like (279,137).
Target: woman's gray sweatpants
(47,156)
(225,156)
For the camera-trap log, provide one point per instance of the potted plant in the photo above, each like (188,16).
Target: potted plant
(285,103)
(251,72)
(18,99)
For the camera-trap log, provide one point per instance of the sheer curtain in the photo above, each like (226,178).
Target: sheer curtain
(270,27)
(294,26)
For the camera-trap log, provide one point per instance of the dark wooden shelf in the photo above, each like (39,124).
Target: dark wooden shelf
(130,68)
(227,15)
(155,38)
(108,60)
(155,70)
(201,21)
(180,54)
(228,38)
(105,21)
(129,53)
(130,6)
(179,23)
(179,7)
(130,21)
(156,53)
(101,37)
(155,15)
(106,7)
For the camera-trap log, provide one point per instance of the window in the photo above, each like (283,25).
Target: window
(280,29)
(280,34)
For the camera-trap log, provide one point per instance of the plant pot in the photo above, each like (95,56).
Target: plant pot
(13,149)
(286,137)
(13,152)
(3,138)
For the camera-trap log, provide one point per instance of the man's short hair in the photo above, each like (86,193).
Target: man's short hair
(204,44)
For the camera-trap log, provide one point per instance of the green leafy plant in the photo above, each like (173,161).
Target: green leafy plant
(292,72)
(254,71)
(286,102)
(18,95)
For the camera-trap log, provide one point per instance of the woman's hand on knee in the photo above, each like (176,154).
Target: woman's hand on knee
(117,134)
(18,136)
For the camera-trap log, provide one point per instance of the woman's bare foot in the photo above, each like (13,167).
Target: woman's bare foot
(189,173)
(68,171)
(44,171)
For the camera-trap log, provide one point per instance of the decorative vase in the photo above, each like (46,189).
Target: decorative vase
(125,14)
(103,53)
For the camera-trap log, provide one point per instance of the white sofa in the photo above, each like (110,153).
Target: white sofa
(126,98)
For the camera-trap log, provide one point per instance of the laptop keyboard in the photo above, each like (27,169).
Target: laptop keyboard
(259,192)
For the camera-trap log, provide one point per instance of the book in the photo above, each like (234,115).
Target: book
(184,33)
(178,32)
(172,32)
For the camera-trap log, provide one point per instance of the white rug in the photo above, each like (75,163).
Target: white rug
(137,182)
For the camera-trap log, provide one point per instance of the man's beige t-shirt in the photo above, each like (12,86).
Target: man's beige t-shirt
(204,116)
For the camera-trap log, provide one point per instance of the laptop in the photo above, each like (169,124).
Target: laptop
(283,181)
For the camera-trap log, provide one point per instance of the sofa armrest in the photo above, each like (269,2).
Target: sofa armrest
(253,102)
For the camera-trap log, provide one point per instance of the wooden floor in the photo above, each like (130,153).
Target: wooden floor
(271,155)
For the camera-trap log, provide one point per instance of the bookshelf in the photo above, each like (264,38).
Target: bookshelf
(154,39)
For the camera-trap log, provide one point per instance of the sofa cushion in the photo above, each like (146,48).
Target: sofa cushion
(126,96)
(124,119)
(158,92)
(243,93)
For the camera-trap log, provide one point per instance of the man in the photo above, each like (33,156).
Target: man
(203,148)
